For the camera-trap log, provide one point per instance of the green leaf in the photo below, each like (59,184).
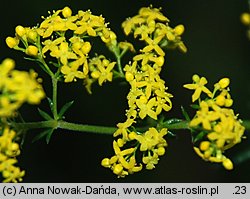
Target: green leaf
(199,136)
(65,108)
(171,134)
(173,121)
(48,137)
(195,106)
(30,59)
(50,103)
(185,114)
(44,133)
(45,115)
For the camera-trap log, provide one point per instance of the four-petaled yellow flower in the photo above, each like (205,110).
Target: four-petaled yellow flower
(198,86)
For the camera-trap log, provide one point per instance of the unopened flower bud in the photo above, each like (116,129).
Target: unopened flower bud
(11,42)
(32,51)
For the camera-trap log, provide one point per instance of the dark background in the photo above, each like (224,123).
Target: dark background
(217,47)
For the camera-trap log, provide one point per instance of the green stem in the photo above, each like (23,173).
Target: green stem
(86,128)
(64,125)
(118,55)
(34,125)
(94,128)
(177,126)
(54,97)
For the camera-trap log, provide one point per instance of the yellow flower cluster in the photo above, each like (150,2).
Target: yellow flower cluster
(9,149)
(17,87)
(218,127)
(148,95)
(151,143)
(65,37)
(153,28)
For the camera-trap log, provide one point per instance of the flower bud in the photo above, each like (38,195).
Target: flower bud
(8,63)
(11,42)
(66,12)
(224,82)
(204,145)
(118,169)
(105,162)
(179,29)
(161,151)
(227,163)
(20,31)
(86,47)
(32,35)
(32,51)
(196,78)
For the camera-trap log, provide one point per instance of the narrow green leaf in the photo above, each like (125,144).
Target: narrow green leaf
(45,115)
(199,136)
(30,59)
(171,134)
(49,134)
(65,108)
(195,106)
(185,114)
(50,103)
(41,135)
(173,121)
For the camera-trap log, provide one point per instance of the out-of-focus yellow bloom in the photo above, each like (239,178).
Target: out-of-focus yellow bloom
(245,18)
(17,87)
(9,149)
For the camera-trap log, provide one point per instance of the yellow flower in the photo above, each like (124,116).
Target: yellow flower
(149,57)
(103,70)
(8,151)
(89,24)
(47,26)
(146,108)
(123,162)
(123,129)
(17,87)
(199,87)
(26,87)
(152,14)
(126,45)
(71,73)
(51,44)
(130,23)
(153,45)
(63,53)
(150,161)
(152,138)
(144,31)
(204,117)
(120,155)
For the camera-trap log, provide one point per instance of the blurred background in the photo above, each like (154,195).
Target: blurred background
(217,47)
